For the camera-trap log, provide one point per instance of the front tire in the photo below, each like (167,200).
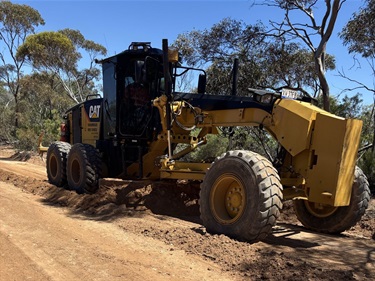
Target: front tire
(57,155)
(329,219)
(83,168)
(241,196)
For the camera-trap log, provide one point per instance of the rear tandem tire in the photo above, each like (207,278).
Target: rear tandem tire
(241,196)
(57,155)
(83,168)
(334,220)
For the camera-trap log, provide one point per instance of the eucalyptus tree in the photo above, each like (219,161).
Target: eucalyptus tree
(216,49)
(264,61)
(367,156)
(59,54)
(314,33)
(16,23)
(359,36)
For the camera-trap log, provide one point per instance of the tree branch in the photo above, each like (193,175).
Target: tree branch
(360,84)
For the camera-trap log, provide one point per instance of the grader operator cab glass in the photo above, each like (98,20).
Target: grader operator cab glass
(135,99)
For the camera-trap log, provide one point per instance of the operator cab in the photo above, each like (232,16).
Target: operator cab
(128,92)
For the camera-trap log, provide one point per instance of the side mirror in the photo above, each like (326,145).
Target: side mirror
(202,80)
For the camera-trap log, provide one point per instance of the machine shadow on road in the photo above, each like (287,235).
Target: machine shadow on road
(288,235)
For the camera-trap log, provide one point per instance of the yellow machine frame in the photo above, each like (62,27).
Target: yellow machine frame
(321,147)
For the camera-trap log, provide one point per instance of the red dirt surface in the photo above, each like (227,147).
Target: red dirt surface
(168,213)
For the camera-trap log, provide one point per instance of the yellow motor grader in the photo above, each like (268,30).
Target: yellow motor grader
(132,131)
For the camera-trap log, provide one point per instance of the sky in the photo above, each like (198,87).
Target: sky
(115,24)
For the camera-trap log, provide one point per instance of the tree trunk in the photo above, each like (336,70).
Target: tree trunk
(320,70)
(16,111)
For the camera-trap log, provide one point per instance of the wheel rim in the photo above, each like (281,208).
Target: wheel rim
(227,199)
(53,166)
(76,171)
(320,210)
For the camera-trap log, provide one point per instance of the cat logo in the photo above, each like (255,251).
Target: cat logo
(94,111)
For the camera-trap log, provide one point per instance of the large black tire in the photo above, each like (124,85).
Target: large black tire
(241,196)
(83,168)
(57,155)
(328,219)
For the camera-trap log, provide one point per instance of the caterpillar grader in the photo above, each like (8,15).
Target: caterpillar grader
(131,132)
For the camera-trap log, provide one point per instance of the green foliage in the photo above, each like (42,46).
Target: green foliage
(216,145)
(216,48)
(18,19)
(80,42)
(359,32)
(291,66)
(51,127)
(300,24)
(42,109)
(7,116)
(28,132)
(368,118)
(242,138)
(34,103)
(48,50)
(367,158)
(347,107)
(32,125)
(352,107)
(265,62)
(254,139)
(367,163)
(16,22)
(359,36)
(58,54)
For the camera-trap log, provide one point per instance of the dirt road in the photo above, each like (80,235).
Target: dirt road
(143,231)
(52,245)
